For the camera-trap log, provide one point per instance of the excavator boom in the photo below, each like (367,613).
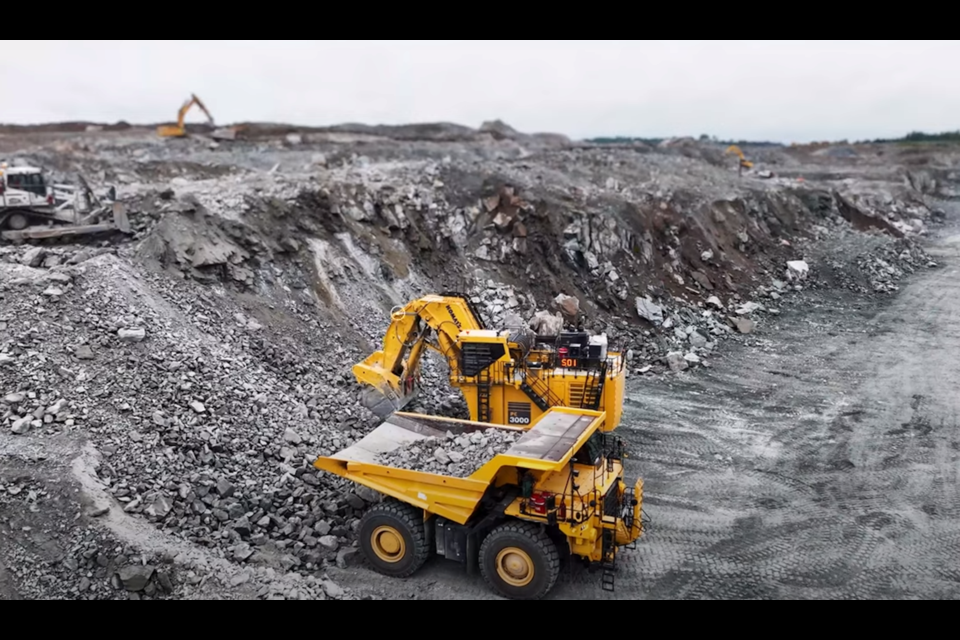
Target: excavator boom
(393,371)
(179,130)
(735,150)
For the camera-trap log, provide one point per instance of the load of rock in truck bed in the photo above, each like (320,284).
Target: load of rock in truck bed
(453,455)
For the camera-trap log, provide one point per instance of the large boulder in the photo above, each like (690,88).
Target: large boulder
(546,323)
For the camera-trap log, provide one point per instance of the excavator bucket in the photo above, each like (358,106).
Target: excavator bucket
(380,405)
(383,405)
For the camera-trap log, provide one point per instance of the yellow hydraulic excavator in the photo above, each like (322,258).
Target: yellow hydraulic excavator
(510,377)
(744,163)
(179,130)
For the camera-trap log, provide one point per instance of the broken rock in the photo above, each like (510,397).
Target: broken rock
(242,552)
(332,590)
(34,257)
(348,557)
(547,324)
(132,335)
(159,508)
(797,270)
(744,325)
(84,352)
(22,426)
(330,543)
(697,340)
(568,305)
(649,310)
(135,578)
(677,362)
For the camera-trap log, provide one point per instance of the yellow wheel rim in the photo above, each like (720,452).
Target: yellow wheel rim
(388,544)
(515,567)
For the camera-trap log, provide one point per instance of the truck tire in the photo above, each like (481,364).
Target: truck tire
(520,561)
(393,538)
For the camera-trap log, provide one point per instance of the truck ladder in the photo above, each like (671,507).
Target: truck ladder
(483,395)
(538,390)
(608,564)
(593,388)
(533,395)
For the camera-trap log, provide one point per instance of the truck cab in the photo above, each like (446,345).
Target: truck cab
(24,187)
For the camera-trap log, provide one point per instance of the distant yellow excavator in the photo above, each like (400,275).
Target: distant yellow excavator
(178,130)
(744,163)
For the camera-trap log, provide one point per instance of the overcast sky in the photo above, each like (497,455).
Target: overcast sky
(786,91)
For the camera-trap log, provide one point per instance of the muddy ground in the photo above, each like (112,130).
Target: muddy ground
(820,462)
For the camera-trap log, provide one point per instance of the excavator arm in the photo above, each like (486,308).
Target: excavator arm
(194,100)
(735,150)
(392,372)
(178,130)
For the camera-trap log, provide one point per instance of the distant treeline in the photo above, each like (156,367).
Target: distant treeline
(704,138)
(919,136)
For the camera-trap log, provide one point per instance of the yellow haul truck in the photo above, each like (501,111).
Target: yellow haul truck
(558,492)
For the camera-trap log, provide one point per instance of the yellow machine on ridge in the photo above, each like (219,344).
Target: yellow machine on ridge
(744,163)
(179,130)
(557,493)
(508,377)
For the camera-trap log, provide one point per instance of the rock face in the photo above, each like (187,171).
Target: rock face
(457,456)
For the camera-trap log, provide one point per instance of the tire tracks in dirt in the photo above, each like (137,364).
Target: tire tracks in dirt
(823,465)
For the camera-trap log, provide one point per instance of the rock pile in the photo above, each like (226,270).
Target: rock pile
(877,268)
(208,425)
(457,456)
(888,265)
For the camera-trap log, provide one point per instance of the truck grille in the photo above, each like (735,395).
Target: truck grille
(611,503)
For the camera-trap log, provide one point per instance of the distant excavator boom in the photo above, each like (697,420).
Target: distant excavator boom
(179,130)
(735,150)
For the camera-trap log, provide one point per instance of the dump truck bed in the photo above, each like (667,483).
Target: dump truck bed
(546,446)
